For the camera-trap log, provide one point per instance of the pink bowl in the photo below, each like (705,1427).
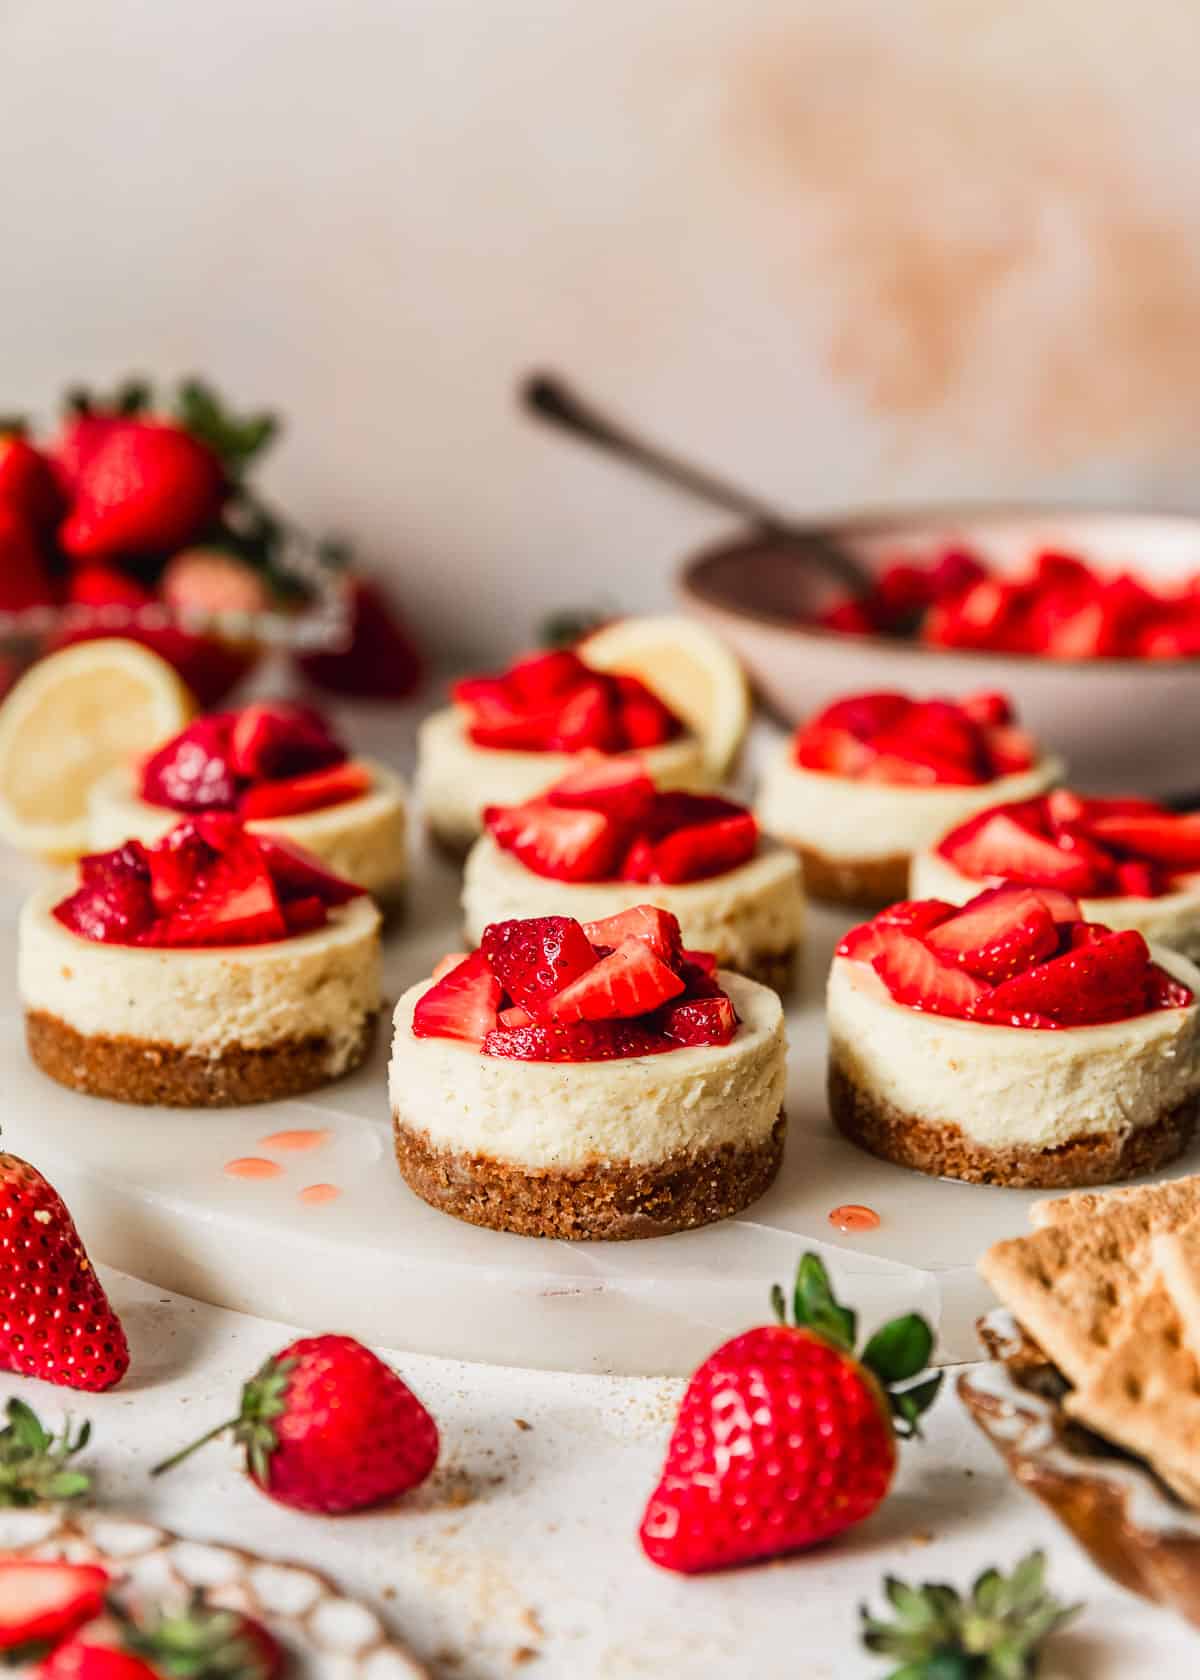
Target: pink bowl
(1121,724)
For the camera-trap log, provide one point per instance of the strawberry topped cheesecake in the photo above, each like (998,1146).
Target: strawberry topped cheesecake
(604,840)
(508,737)
(285,773)
(588,1081)
(1010,1041)
(1130,862)
(876,777)
(215,968)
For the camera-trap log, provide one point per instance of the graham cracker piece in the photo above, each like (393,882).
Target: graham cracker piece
(1144,1394)
(1176,1201)
(1070,1284)
(1176,1257)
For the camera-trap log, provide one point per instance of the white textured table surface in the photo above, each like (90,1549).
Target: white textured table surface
(520,1554)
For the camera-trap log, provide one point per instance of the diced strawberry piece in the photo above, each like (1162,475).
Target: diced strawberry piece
(901,592)
(834,751)
(917,977)
(1137,879)
(850,618)
(1064,808)
(913,768)
(955,571)
(551,840)
(619,787)
(630,982)
(1085,933)
(316,791)
(989,708)
(540,677)
(714,848)
(451,961)
(113,903)
(469,692)
(998,934)
(865,715)
(645,721)
(1106,980)
(177,863)
(1054,569)
(106,586)
(463,1004)
(536,958)
(656,928)
(578,1041)
(1062,907)
(279,741)
(1170,637)
(1010,751)
(639,861)
(710,1020)
(298,874)
(233,903)
(514,1016)
(981,616)
(1163,991)
(703,960)
(1160,838)
(589,718)
(512,726)
(302,915)
(1000,844)
(193,771)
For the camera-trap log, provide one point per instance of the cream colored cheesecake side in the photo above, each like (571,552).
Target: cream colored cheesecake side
(856,820)
(364,840)
(577,1114)
(1172,920)
(456,780)
(1012,1087)
(321,984)
(750,912)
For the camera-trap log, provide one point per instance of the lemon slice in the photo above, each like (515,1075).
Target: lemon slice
(74,716)
(690,669)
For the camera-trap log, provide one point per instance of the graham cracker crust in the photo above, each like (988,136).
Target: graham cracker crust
(604,1202)
(859,883)
(134,1070)
(942,1150)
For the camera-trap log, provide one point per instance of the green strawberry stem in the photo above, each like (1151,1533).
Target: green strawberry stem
(895,1355)
(264,1399)
(996,1632)
(199,1642)
(193,1446)
(35,1467)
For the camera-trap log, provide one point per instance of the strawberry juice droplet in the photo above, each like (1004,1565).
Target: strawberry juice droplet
(302,1139)
(252,1166)
(852,1216)
(315,1194)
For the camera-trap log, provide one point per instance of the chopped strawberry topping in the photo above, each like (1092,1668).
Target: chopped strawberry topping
(915,743)
(608,823)
(1014,956)
(207,882)
(553,702)
(548,990)
(268,760)
(1099,848)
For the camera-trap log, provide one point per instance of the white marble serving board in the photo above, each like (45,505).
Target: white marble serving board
(151,1196)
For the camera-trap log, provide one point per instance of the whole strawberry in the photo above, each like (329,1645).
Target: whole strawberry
(24,578)
(148,487)
(784,1437)
(27,483)
(380,660)
(328,1427)
(55,1319)
(198,1642)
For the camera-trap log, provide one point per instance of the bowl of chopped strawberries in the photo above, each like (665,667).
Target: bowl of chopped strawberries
(1090,621)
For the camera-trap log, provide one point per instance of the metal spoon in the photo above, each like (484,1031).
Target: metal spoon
(552,399)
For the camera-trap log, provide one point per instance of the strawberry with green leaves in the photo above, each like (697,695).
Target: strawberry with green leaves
(35,1464)
(43,1601)
(197,1642)
(996,1632)
(785,1437)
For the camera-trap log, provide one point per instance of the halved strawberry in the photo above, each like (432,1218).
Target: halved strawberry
(44,1600)
(620,787)
(463,1004)
(233,903)
(578,1041)
(710,1020)
(538,677)
(1104,980)
(707,849)
(909,915)
(998,934)
(316,791)
(298,874)
(629,982)
(536,958)
(276,741)
(589,718)
(193,771)
(656,928)
(554,841)
(512,725)
(917,977)
(998,844)
(1161,837)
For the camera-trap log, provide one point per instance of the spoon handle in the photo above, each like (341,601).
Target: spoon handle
(552,399)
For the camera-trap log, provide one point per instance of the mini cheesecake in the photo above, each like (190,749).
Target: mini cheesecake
(1131,863)
(555,1088)
(507,738)
(604,840)
(1011,1042)
(281,769)
(877,777)
(216,968)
